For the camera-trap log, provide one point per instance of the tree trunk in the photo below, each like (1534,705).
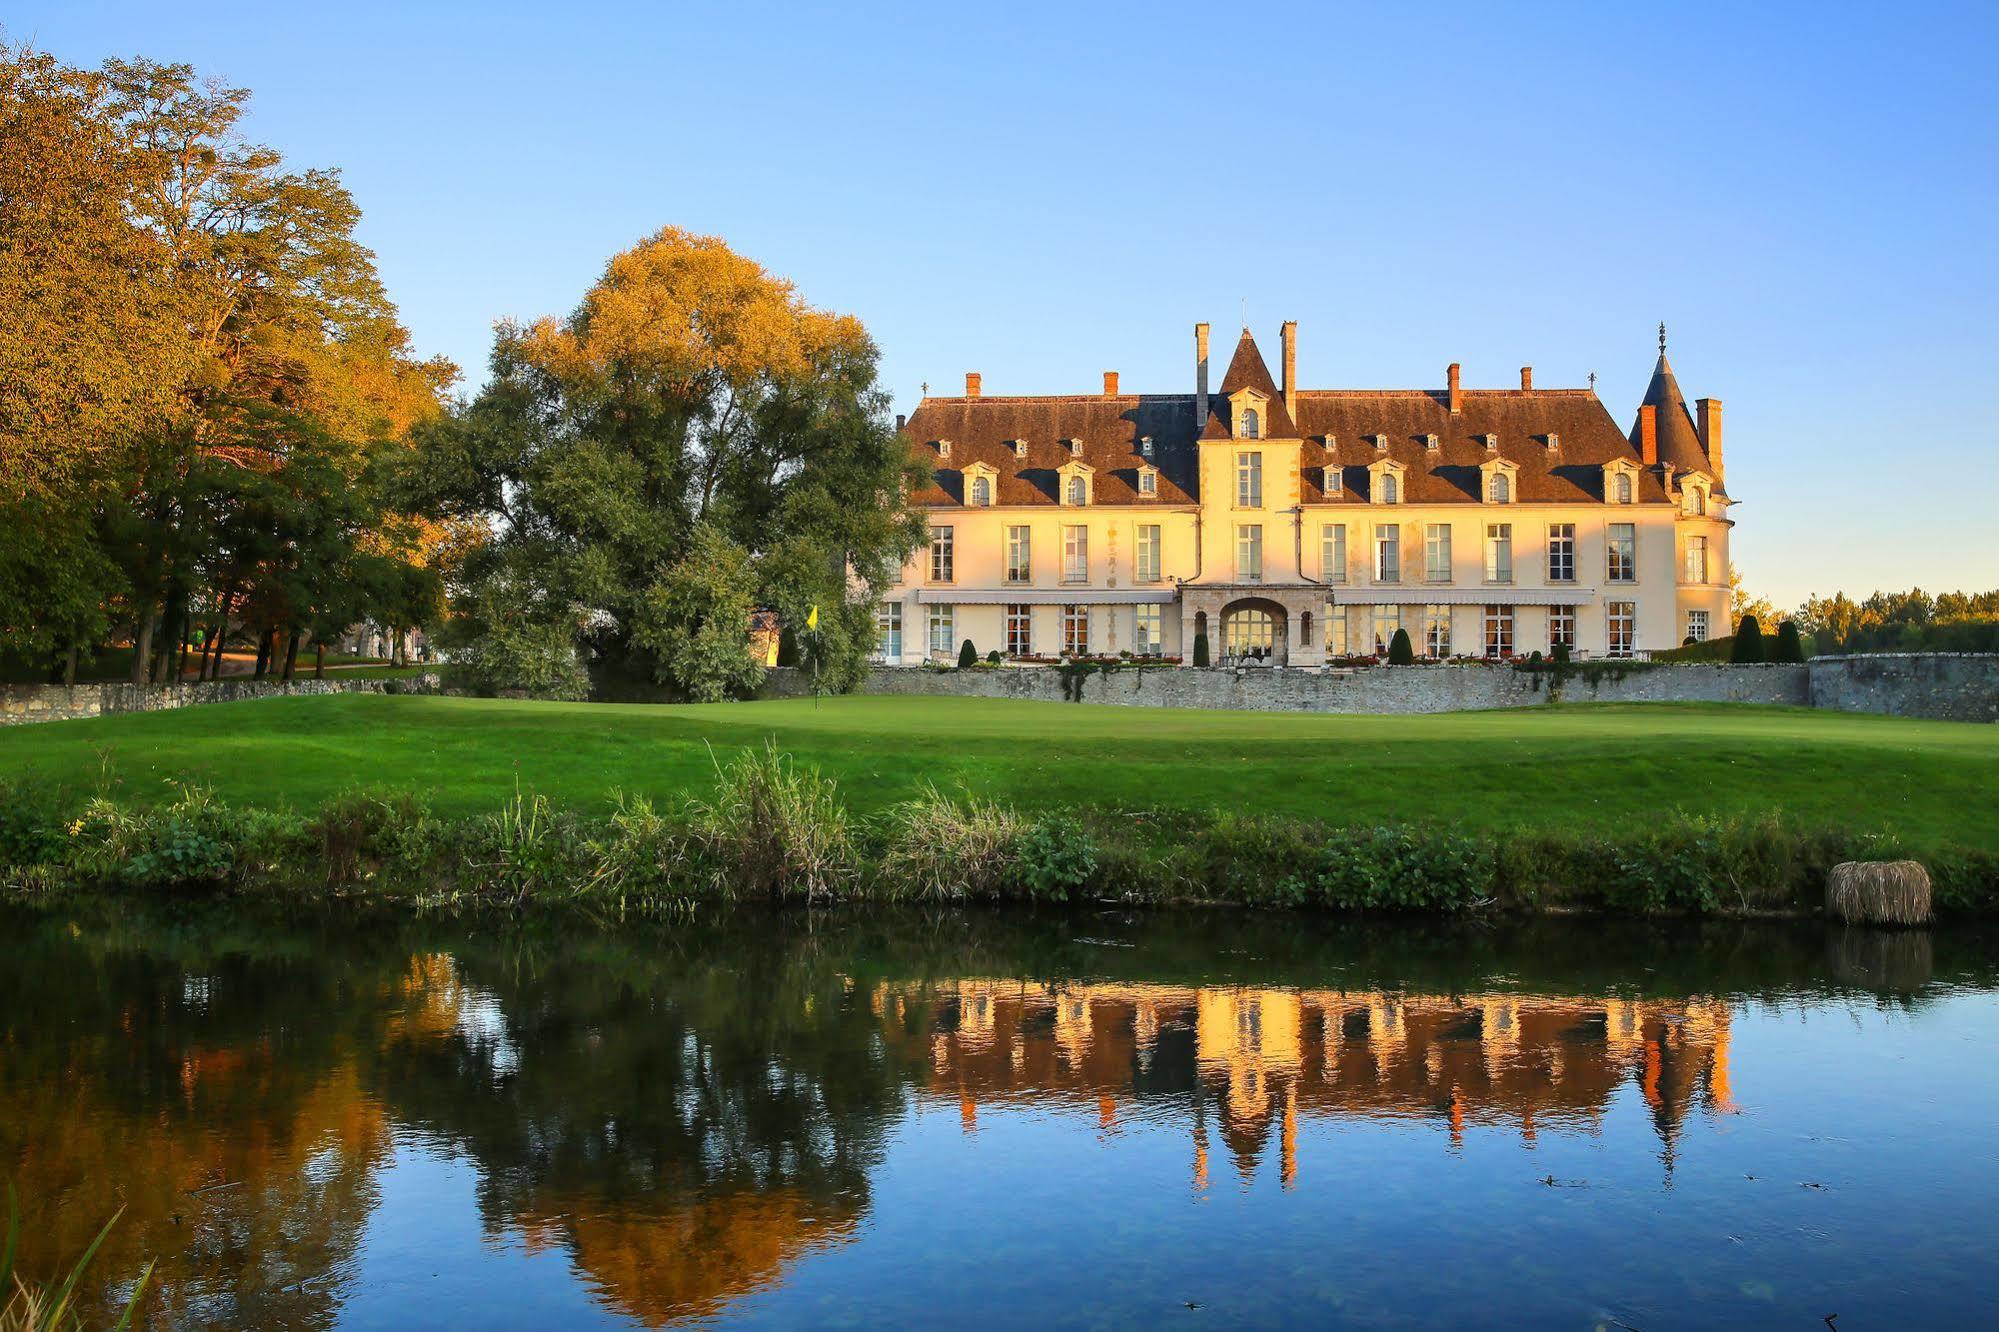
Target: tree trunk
(319,661)
(266,642)
(142,644)
(221,630)
(291,652)
(69,669)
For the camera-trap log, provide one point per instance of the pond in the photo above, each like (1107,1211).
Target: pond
(1002,1119)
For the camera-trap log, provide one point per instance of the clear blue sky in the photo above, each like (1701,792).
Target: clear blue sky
(1807,195)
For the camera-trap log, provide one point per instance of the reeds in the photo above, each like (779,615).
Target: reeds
(29,1308)
(774,829)
(1878,892)
(1885,961)
(936,848)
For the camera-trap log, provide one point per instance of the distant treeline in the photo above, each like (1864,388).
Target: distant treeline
(1912,621)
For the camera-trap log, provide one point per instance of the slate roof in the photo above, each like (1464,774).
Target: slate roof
(1679,439)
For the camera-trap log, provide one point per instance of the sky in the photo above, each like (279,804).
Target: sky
(1806,196)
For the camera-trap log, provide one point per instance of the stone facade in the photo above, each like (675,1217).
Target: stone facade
(39,703)
(1942,685)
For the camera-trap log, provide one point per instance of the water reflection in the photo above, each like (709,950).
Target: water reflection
(687,1118)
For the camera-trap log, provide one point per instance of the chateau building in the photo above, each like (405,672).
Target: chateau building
(1296,526)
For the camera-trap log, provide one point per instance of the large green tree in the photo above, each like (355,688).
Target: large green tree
(693,407)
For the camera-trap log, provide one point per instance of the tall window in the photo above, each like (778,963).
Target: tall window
(888,631)
(1437,553)
(1696,559)
(1336,630)
(1499,631)
(1249,552)
(1075,554)
(941,631)
(1499,490)
(1148,552)
(1336,478)
(1148,482)
(1697,625)
(1693,500)
(1019,555)
(1151,641)
(1499,552)
(1623,561)
(1333,552)
(1078,491)
(1388,552)
(940,554)
(1019,631)
(1622,488)
(982,490)
(1076,631)
(1561,552)
(1562,627)
(1437,631)
(1387,619)
(1623,627)
(1391,489)
(1249,480)
(1252,428)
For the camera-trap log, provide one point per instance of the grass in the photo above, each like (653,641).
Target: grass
(1561,768)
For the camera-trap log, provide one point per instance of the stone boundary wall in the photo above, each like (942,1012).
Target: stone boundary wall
(40,703)
(1948,686)
(1375,690)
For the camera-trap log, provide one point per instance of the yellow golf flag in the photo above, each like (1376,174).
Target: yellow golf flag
(812,618)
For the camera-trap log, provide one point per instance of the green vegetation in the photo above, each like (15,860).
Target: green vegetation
(1748,646)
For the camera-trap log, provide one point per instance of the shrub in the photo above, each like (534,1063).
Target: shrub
(1401,652)
(935,847)
(773,829)
(993,658)
(1053,858)
(361,832)
(1748,642)
(1201,650)
(968,656)
(31,826)
(1398,869)
(526,849)
(192,842)
(1561,654)
(1790,644)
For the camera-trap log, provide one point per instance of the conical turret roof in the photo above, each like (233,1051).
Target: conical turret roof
(1679,441)
(1247,370)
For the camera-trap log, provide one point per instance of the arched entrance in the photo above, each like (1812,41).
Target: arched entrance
(1255,632)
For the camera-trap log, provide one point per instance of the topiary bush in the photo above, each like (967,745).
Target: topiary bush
(1790,644)
(1401,652)
(1748,642)
(968,655)
(1200,650)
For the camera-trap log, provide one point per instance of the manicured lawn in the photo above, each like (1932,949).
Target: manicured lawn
(1936,782)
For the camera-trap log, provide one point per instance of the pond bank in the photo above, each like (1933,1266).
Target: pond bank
(772,830)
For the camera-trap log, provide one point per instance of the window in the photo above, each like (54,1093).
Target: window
(1075,554)
(941,631)
(888,631)
(1387,619)
(1623,553)
(1499,631)
(1693,500)
(1252,428)
(1561,627)
(1696,571)
(1391,489)
(1498,489)
(1336,478)
(1387,552)
(1561,552)
(1249,552)
(1697,625)
(1076,631)
(1077,491)
(1151,641)
(1623,627)
(1019,631)
(1019,555)
(940,554)
(1499,552)
(1437,631)
(982,490)
(1621,488)
(1333,552)
(1148,483)
(1249,480)
(1249,635)
(1336,630)
(1437,553)
(1148,552)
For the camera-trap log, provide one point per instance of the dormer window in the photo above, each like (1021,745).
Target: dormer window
(1554,441)
(1252,425)
(1620,482)
(943,448)
(1145,446)
(1075,448)
(1078,491)
(1499,489)
(1430,443)
(1074,484)
(1492,443)
(1621,488)
(1019,448)
(1336,478)
(1148,482)
(1385,482)
(1391,488)
(1693,499)
(1381,442)
(979,485)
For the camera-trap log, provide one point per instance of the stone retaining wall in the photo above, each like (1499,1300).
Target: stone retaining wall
(39,703)
(1950,686)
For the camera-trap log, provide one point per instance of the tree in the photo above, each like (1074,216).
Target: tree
(1401,652)
(967,655)
(1740,603)
(690,391)
(694,620)
(1748,647)
(1201,650)
(1790,645)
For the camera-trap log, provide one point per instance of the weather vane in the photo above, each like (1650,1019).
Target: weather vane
(1592,381)
(1662,337)
(926,388)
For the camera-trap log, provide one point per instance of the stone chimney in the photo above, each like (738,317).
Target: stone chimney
(1526,379)
(1708,420)
(971,383)
(1648,435)
(1200,378)
(1291,370)
(1457,393)
(1110,383)
(900,422)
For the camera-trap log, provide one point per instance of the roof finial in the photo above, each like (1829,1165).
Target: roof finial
(926,388)
(1662,337)
(1592,381)
(1245,314)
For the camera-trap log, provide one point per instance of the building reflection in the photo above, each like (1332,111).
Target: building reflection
(1251,1062)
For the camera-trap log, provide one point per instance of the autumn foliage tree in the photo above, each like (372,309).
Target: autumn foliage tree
(692,442)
